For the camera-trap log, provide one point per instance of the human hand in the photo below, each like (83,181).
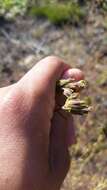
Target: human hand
(34,138)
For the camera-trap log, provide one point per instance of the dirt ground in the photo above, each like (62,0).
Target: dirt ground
(84,47)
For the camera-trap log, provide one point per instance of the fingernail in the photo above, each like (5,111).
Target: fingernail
(77,74)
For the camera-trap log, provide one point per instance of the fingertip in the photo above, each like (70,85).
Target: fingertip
(75,73)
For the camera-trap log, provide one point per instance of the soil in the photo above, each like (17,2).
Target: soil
(84,47)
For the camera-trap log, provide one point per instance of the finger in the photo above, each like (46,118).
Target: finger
(59,156)
(71,136)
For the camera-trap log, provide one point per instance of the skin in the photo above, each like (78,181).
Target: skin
(34,136)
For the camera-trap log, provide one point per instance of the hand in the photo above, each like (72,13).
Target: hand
(34,138)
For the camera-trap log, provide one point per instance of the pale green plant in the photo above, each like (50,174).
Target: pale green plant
(71,90)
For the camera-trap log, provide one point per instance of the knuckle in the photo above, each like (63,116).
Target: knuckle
(54,60)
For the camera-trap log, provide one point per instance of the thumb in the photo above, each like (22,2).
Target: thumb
(45,74)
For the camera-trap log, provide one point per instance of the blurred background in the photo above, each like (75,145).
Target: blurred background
(75,30)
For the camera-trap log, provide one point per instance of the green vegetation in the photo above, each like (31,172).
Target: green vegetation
(56,12)
(60,13)
(11,8)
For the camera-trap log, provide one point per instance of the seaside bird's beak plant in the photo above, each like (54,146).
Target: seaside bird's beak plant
(71,90)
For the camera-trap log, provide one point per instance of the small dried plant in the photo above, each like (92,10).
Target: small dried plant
(71,90)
